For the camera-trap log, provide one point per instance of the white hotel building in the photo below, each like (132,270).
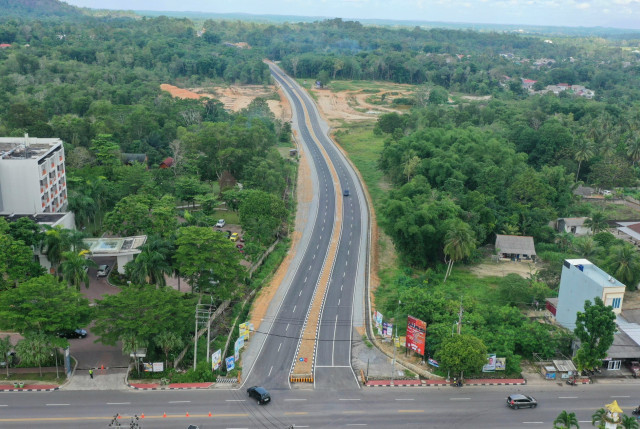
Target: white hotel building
(32,175)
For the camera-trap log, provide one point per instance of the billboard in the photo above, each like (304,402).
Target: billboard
(216,359)
(237,347)
(230,362)
(501,364)
(244,331)
(416,334)
(491,364)
(387,329)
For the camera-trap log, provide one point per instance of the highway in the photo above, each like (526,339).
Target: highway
(447,407)
(333,347)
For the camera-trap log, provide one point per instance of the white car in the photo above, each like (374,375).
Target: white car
(606,192)
(103,270)
(220,223)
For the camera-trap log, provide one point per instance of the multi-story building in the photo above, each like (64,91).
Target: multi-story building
(581,280)
(32,175)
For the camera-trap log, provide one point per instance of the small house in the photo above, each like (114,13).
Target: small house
(573,225)
(167,163)
(515,247)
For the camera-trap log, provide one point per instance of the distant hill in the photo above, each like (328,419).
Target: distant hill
(37,9)
(523,29)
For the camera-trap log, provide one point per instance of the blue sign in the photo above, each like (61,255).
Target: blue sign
(433,362)
(230,362)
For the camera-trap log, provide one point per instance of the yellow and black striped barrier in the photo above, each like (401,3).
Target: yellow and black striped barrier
(301,379)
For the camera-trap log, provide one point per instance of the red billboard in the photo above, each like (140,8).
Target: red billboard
(416,333)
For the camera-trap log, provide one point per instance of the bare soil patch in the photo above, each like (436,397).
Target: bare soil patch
(502,268)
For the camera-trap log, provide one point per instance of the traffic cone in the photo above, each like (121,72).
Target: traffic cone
(164,415)
(142,416)
(119,416)
(187,413)
(102,367)
(209,413)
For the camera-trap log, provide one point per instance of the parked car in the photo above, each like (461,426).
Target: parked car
(634,366)
(75,333)
(240,247)
(234,237)
(260,394)
(103,270)
(220,223)
(606,192)
(521,401)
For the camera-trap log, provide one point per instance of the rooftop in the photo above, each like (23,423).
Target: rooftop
(115,245)
(594,273)
(515,244)
(41,218)
(26,147)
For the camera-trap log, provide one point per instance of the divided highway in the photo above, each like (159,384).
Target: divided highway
(333,343)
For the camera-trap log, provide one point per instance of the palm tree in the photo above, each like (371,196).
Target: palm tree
(34,349)
(597,222)
(584,152)
(459,242)
(623,263)
(168,341)
(55,243)
(633,148)
(599,417)
(629,422)
(586,246)
(75,239)
(566,421)
(74,268)
(150,266)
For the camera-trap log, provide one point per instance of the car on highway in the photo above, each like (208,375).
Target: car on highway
(220,223)
(517,400)
(103,270)
(234,237)
(345,193)
(73,333)
(260,394)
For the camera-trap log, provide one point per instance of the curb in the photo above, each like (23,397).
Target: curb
(423,383)
(51,389)
(131,386)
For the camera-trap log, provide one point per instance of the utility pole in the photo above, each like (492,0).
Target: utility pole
(460,316)
(393,341)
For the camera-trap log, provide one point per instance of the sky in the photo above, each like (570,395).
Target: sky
(571,13)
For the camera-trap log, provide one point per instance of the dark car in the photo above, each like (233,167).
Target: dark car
(260,394)
(75,333)
(521,401)
(345,193)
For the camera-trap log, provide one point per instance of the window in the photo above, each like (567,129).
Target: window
(616,302)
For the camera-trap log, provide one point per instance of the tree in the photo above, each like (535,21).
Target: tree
(56,242)
(138,313)
(149,266)
(595,327)
(462,353)
(209,261)
(261,215)
(16,262)
(106,151)
(566,420)
(45,305)
(633,149)
(584,151)
(168,341)
(26,230)
(438,95)
(623,263)
(599,418)
(5,348)
(629,422)
(74,268)
(597,222)
(34,349)
(459,242)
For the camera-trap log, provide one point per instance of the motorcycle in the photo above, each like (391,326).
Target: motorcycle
(636,411)
(571,382)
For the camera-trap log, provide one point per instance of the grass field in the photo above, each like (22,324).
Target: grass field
(365,86)
(364,149)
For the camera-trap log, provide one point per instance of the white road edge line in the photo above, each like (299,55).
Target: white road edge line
(177,402)
(118,403)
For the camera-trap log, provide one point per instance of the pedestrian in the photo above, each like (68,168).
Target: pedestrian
(91,373)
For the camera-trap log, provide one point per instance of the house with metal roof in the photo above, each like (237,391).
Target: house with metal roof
(515,247)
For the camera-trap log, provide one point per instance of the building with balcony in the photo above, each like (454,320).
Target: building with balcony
(32,175)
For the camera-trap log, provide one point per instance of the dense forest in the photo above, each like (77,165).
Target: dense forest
(460,170)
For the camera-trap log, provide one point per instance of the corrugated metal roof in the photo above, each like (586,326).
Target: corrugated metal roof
(522,245)
(564,365)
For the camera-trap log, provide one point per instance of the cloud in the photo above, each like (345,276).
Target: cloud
(583,6)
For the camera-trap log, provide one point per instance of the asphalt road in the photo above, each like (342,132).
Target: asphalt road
(332,364)
(273,364)
(447,407)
